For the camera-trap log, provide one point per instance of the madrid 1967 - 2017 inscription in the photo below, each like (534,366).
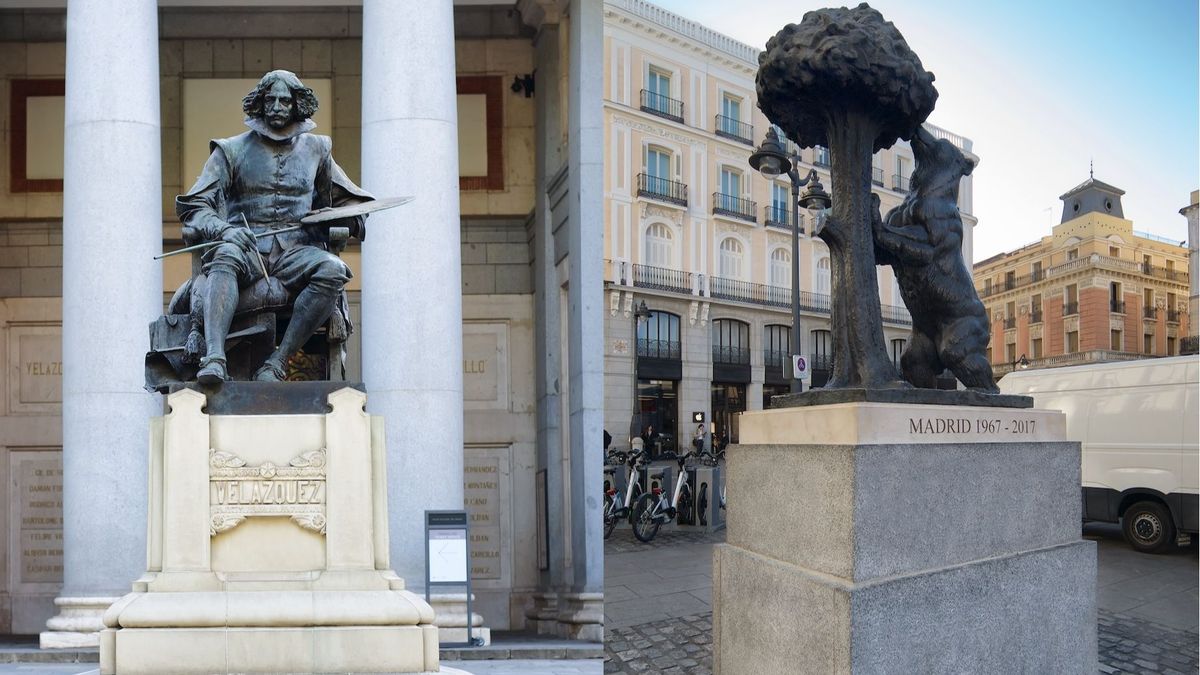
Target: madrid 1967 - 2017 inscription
(964,425)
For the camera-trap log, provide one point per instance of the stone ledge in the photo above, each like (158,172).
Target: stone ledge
(267,398)
(914,396)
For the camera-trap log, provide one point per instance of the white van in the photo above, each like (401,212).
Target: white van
(1139,427)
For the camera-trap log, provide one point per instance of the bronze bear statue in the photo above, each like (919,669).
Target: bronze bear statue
(922,240)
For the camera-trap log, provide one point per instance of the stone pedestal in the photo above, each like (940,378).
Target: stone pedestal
(268,549)
(881,537)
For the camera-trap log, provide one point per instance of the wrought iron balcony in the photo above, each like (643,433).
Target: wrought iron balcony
(778,216)
(774,358)
(1116,306)
(820,361)
(662,278)
(1149,312)
(734,207)
(1035,316)
(1163,273)
(1070,308)
(1173,316)
(900,183)
(737,130)
(662,189)
(731,354)
(663,106)
(1010,323)
(659,349)
(877,175)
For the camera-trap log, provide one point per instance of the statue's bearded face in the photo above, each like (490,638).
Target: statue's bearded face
(278,105)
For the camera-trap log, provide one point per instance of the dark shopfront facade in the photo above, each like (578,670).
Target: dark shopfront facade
(659,370)
(731,375)
(776,352)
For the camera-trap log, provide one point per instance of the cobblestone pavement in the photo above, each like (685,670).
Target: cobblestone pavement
(623,541)
(683,646)
(658,616)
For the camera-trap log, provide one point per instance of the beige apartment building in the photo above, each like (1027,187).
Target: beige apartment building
(691,230)
(1094,290)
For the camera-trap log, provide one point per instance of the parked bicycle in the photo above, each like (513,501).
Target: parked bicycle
(617,507)
(707,458)
(654,508)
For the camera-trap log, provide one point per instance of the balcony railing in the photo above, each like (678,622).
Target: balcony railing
(731,354)
(895,314)
(662,189)
(1149,312)
(1035,316)
(899,183)
(877,175)
(778,216)
(1163,273)
(734,207)
(821,157)
(773,358)
(1010,323)
(737,130)
(662,279)
(1173,316)
(820,361)
(663,106)
(1070,308)
(1116,306)
(1071,359)
(659,349)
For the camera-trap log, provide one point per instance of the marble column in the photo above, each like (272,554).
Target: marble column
(411,274)
(582,611)
(112,288)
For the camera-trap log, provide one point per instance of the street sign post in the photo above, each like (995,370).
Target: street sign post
(800,368)
(448,559)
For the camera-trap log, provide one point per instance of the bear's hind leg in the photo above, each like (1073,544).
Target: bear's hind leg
(963,351)
(920,363)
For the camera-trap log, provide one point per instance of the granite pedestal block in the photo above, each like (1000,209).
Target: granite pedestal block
(880,538)
(268,550)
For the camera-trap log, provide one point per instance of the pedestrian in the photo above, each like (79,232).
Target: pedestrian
(698,438)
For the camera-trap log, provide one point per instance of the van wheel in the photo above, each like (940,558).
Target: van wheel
(1147,527)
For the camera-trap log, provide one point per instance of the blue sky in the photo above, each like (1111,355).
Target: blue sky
(1042,88)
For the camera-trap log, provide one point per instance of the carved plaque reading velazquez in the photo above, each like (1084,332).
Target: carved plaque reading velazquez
(237,491)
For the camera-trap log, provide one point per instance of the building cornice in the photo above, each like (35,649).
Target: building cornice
(662,25)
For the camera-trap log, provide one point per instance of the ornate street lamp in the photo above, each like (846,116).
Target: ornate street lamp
(640,314)
(772,160)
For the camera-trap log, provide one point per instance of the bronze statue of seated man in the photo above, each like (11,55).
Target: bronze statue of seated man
(252,187)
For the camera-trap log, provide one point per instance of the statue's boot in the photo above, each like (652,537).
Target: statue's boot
(220,302)
(313,307)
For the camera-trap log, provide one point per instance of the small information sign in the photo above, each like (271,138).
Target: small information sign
(447,558)
(800,369)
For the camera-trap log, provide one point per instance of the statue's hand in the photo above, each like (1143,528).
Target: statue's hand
(240,236)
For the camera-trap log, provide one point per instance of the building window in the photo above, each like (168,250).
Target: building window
(821,275)
(1116,298)
(781,268)
(1071,300)
(729,263)
(658,245)
(658,163)
(1035,347)
(897,351)
(777,340)
(901,177)
(987,286)
(1148,308)
(779,211)
(658,405)
(731,341)
(821,155)
(821,358)
(1170,346)
(730,197)
(1035,309)
(1010,280)
(1010,352)
(1148,343)
(1115,342)
(1072,341)
(658,337)
(1036,272)
(1073,254)
(1114,252)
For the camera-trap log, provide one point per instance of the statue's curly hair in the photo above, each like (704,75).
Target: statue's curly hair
(304,101)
